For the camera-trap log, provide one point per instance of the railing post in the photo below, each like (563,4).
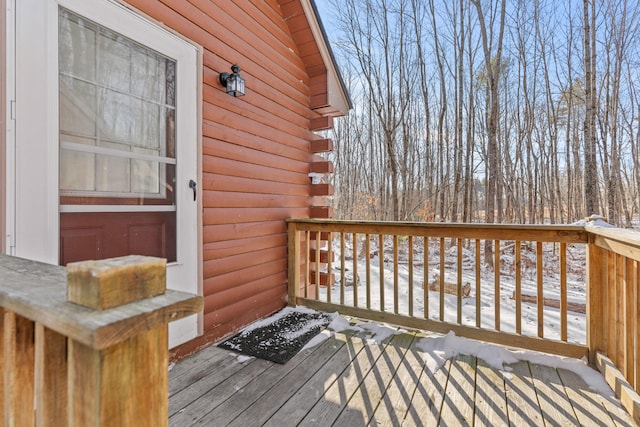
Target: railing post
(18,344)
(293,248)
(126,383)
(100,360)
(596,299)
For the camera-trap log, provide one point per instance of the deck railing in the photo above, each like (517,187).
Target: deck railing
(481,281)
(90,353)
(614,312)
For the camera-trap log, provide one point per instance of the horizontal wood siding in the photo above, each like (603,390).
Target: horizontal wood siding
(309,52)
(256,154)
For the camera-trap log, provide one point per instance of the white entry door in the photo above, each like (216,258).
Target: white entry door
(105,140)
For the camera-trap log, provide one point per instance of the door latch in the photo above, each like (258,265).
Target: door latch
(193,186)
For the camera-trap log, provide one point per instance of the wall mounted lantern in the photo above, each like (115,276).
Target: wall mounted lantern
(233,82)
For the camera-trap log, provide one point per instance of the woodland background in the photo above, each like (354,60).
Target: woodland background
(519,111)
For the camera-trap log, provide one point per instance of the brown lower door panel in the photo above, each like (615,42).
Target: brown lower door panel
(85,236)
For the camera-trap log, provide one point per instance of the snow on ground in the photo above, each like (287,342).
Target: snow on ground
(576,290)
(374,332)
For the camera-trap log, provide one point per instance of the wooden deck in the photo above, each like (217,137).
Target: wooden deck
(347,382)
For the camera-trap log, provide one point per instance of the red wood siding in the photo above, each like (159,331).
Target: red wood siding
(256,151)
(309,52)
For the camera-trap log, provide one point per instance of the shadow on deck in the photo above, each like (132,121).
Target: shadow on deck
(349,381)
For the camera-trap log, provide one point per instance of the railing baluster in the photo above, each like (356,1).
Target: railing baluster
(630,319)
(354,237)
(496,283)
(597,329)
(329,266)
(51,378)
(425,273)
(518,271)
(620,306)
(395,274)
(410,255)
(307,257)
(540,294)
(478,284)
(442,255)
(19,362)
(367,257)
(317,267)
(636,307)
(563,291)
(612,307)
(342,267)
(381,258)
(459,282)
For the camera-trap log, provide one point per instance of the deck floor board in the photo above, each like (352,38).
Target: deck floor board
(263,408)
(490,399)
(394,404)
(554,403)
(297,407)
(348,380)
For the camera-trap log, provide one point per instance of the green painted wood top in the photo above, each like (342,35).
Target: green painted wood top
(38,291)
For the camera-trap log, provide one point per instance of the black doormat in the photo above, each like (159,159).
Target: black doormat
(279,337)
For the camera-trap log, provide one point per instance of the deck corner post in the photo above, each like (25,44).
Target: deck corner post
(125,383)
(293,257)
(596,300)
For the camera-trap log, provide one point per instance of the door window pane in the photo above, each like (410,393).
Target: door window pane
(77,55)
(120,96)
(77,107)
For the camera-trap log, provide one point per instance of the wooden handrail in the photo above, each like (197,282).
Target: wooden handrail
(526,232)
(68,364)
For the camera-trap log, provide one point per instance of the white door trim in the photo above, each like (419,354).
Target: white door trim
(9,159)
(36,198)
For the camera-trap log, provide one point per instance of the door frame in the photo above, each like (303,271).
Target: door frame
(32,209)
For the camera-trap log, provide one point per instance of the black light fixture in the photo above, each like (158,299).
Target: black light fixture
(233,82)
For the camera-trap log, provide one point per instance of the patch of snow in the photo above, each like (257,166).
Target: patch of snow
(242,358)
(600,223)
(438,349)
(377,332)
(341,324)
(318,339)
